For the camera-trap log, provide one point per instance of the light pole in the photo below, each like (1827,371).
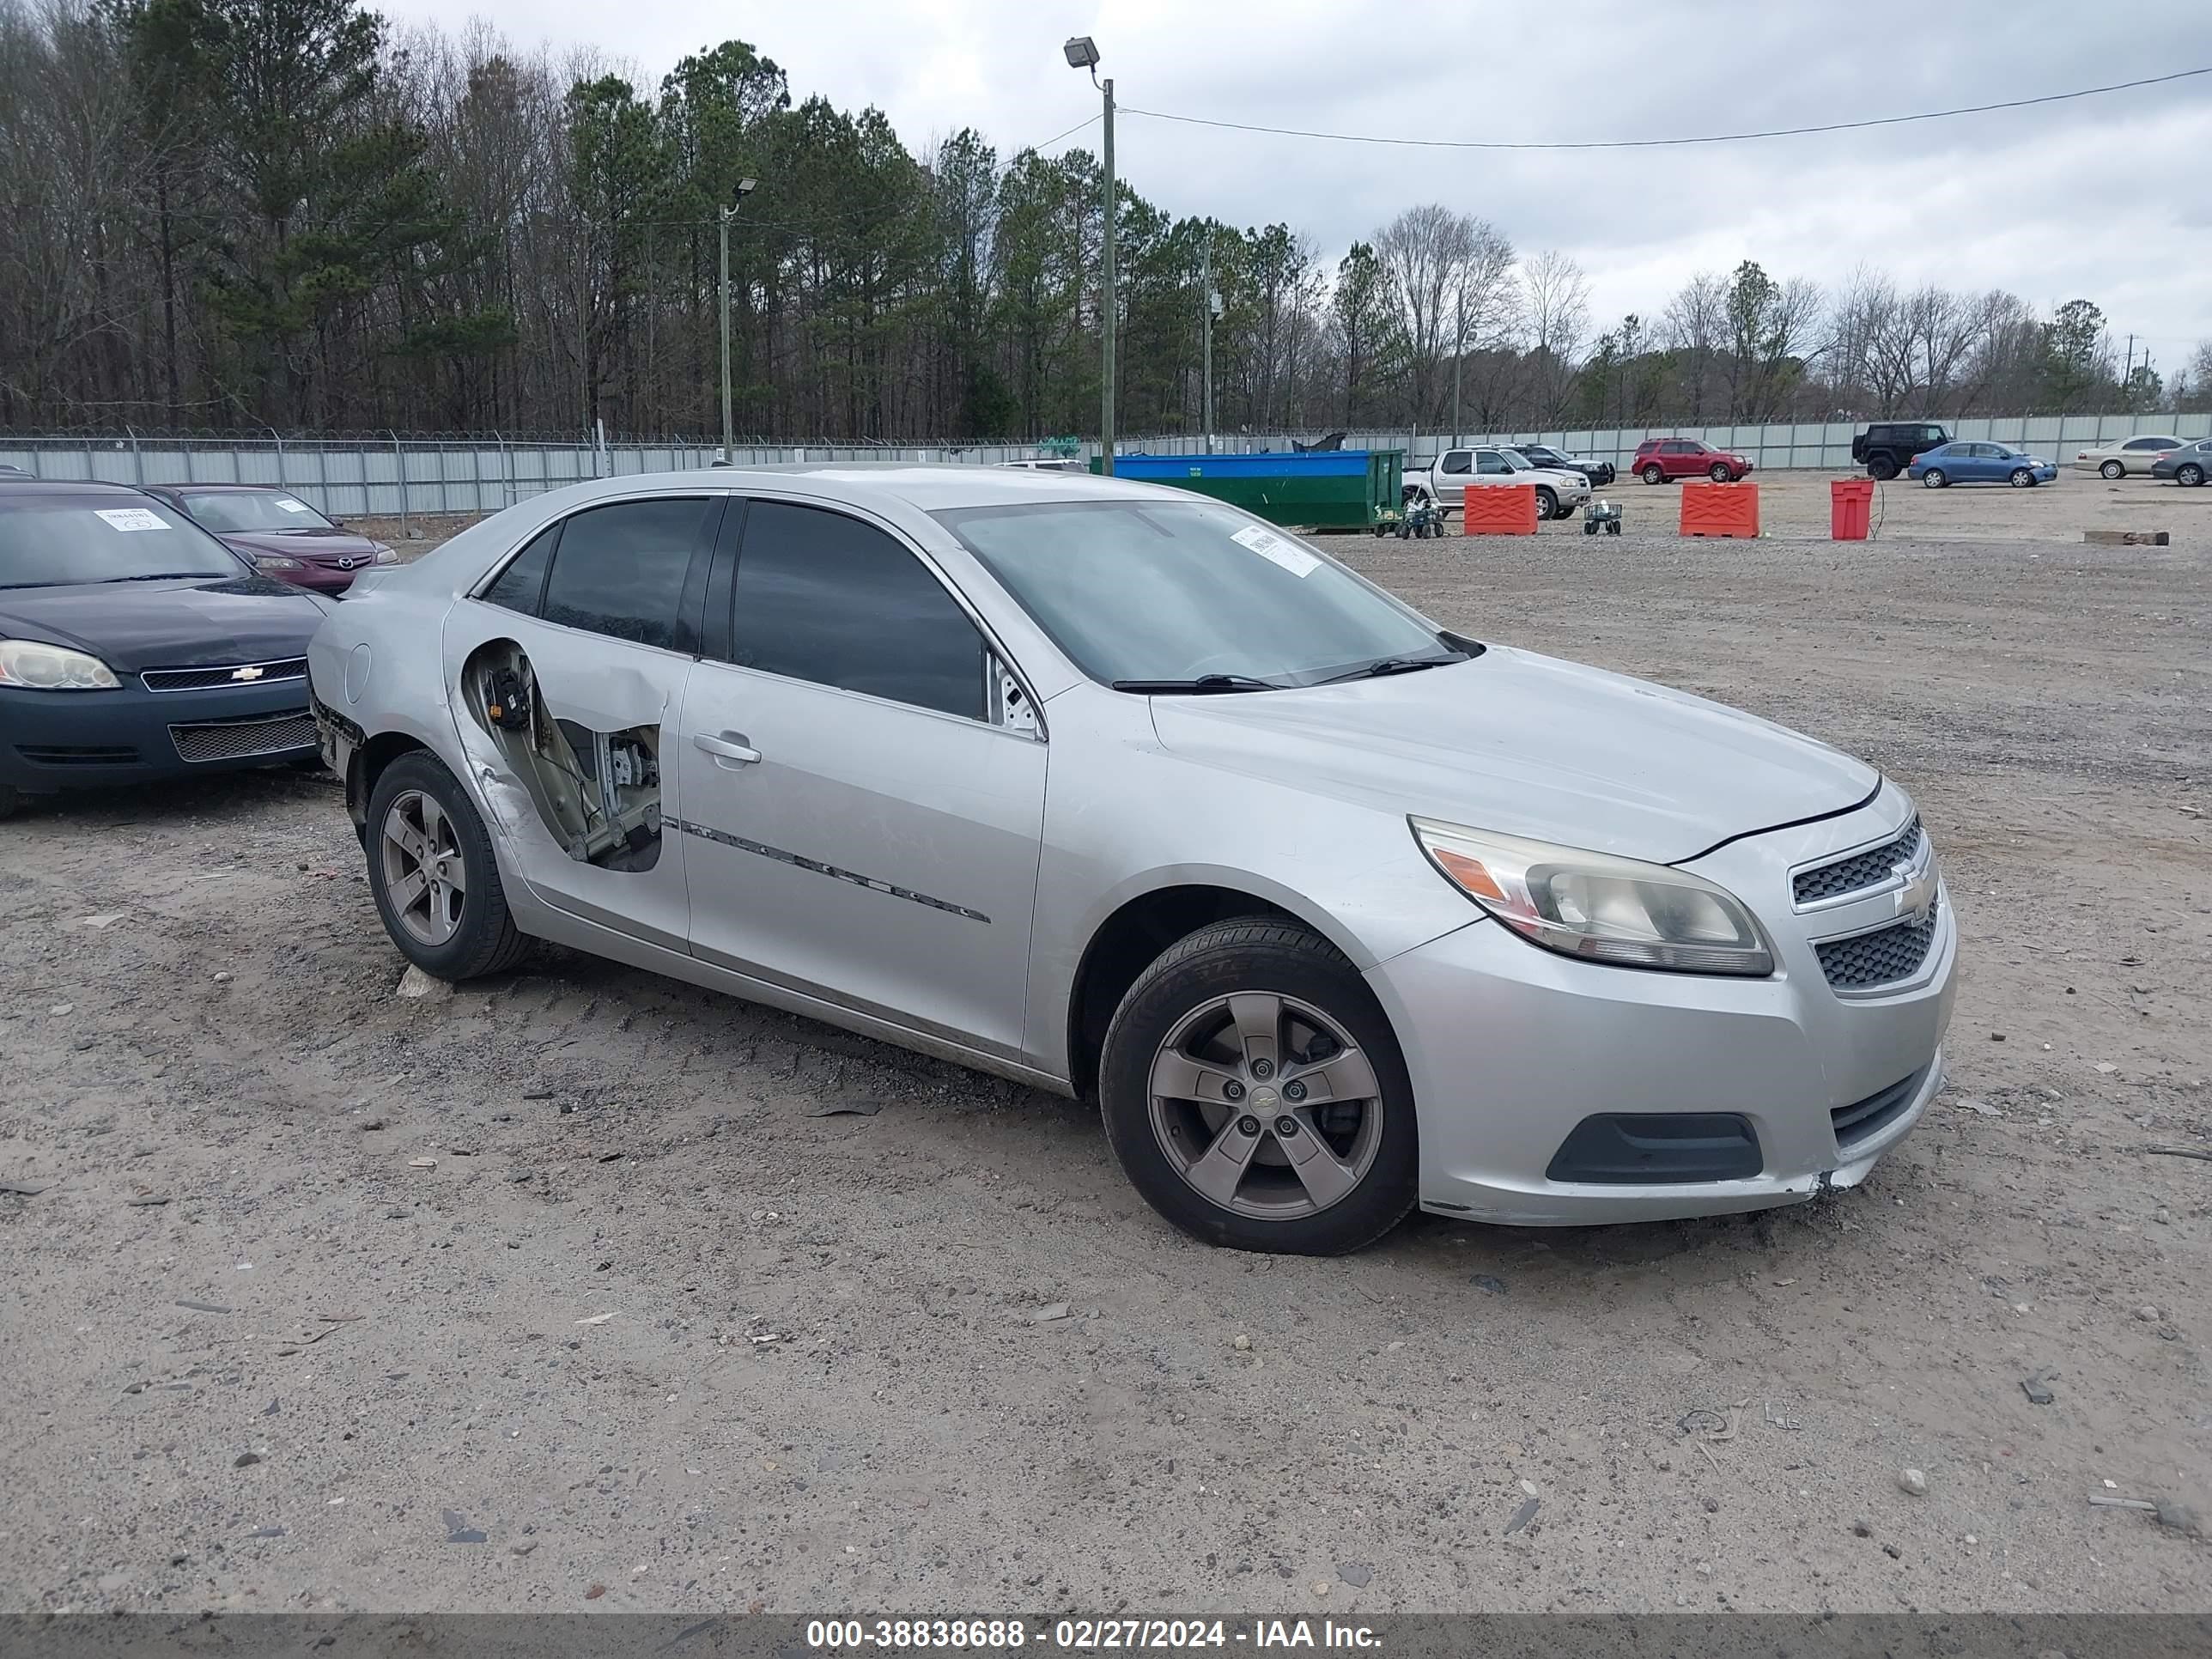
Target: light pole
(1210,308)
(1083,55)
(744,188)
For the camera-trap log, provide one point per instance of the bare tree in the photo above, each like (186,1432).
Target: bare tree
(1556,305)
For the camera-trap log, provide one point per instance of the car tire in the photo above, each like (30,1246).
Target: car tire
(1881,468)
(2189,473)
(11,801)
(2114,470)
(1719,474)
(2021,478)
(476,937)
(1933,479)
(1547,503)
(1655,473)
(1275,988)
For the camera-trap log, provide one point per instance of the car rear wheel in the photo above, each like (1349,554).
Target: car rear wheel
(2114,470)
(1933,479)
(434,878)
(1881,468)
(1655,473)
(2190,473)
(1255,1096)
(2022,479)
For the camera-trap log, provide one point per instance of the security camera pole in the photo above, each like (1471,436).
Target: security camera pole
(1083,55)
(729,212)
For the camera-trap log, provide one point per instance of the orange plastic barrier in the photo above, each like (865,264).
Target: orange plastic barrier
(1848,503)
(1498,510)
(1720,509)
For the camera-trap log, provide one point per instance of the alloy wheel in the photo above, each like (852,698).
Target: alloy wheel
(2021,478)
(1265,1106)
(424,875)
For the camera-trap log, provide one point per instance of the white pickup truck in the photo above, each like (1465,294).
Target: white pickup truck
(1457,470)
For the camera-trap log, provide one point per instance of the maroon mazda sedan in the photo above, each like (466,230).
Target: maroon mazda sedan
(278,532)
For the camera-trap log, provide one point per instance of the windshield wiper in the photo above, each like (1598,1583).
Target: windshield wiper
(1203,683)
(163,576)
(1382,665)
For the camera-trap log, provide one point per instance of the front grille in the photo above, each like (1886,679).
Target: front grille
(1864,869)
(241,739)
(78,755)
(200,679)
(1888,953)
(1864,1118)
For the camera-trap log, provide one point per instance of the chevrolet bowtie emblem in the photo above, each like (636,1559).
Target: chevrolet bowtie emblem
(246,673)
(1917,896)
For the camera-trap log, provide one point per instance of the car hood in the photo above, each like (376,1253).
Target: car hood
(1529,745)
(183,622)
(323,546)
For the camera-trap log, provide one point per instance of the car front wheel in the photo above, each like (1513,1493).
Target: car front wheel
(2022,479)
(434,878)
(1933,479)
(1655,473)
(2113,470)
(1255,1096)
(1547,502)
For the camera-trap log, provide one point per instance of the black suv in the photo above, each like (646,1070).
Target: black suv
(1598,472)
(1887,447)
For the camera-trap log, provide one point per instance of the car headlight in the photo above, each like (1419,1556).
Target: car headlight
(384,554)
(274,562)
(39,667)
(1596,906)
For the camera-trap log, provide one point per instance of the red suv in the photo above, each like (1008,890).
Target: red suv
(1658,460)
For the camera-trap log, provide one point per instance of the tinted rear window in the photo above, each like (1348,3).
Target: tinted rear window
(620,570)
(49,540)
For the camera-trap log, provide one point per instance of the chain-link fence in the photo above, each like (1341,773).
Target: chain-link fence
(400,478)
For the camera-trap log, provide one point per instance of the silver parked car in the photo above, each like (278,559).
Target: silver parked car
(1119,791)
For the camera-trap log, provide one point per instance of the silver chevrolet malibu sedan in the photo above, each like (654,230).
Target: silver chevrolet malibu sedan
(1124,794)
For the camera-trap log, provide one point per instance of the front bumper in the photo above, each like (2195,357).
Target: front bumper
(55,740)
(1511,1048)
(326,580)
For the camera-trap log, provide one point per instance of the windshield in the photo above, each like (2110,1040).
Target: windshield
(1516,462)
(57,540)
(233,511)
(1163,591)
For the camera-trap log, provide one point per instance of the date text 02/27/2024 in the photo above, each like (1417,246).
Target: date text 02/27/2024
(1084,1635)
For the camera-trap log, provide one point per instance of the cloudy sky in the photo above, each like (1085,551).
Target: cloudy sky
(2104,198)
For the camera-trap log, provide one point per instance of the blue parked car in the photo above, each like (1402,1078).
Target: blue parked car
(1961,462)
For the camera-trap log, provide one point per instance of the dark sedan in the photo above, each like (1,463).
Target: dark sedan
(134,645)
(2190,464)
(281,534)
(1598,472)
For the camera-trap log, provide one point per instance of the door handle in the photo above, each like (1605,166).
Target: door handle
(731,747)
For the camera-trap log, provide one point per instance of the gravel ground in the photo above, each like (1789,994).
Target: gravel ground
(584,1288)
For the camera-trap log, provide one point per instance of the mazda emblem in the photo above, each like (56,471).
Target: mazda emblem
(345,564)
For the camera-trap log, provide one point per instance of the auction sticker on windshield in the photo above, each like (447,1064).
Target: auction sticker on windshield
(1276,551)
(132,518)
(291,506)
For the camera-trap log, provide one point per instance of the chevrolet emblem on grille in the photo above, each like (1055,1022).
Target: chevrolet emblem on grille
(246,673)
(1917,896)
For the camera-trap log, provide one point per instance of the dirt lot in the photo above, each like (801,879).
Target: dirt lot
(334,1299)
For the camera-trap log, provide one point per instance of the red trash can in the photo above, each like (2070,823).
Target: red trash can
(1850,502)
